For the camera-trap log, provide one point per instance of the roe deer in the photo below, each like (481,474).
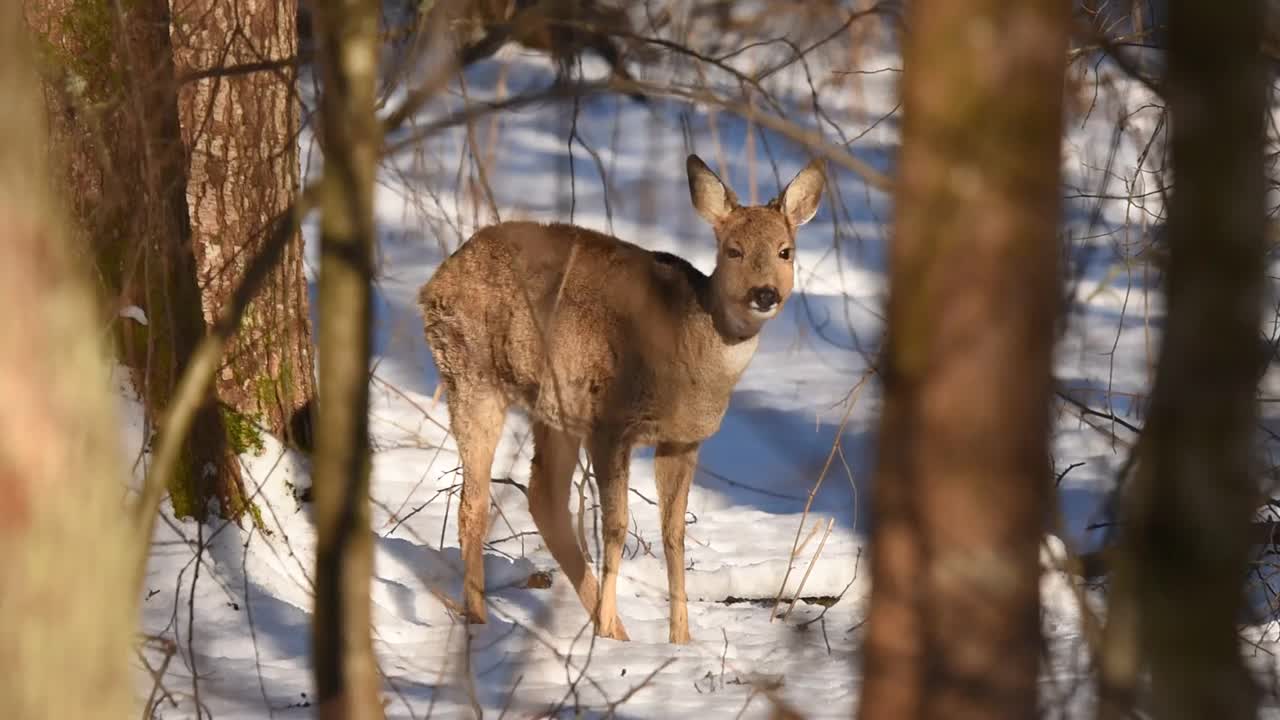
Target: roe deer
(608,344)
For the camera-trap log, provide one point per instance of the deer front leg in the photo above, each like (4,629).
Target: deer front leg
(611,458)
(674,467)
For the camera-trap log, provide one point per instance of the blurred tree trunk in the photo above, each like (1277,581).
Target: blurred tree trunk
(66,596)
(962,487)
(241,130)
(113,106)
(1186,529)
(346,671)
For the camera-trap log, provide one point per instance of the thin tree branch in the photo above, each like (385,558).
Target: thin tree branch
(812,139)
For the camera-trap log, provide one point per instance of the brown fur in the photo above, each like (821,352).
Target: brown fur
(607,344)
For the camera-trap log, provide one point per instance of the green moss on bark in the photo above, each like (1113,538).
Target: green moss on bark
(182,491)
(92,59)
(244,433)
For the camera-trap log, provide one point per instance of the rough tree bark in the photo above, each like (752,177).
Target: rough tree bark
(114,122)
(962,487)
(241,134)
(1186,529)
(66,594)
(346,670)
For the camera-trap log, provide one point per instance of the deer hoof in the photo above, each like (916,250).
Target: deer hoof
(617,632)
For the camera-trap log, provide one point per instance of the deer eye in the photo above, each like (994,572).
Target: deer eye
(785,253)
(732,253)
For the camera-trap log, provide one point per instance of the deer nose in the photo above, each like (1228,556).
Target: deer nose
(763,298)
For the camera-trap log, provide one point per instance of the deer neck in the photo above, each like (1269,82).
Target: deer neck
(725,334)
(733,328)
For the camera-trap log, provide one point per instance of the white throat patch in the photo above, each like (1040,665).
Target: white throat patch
(737,356)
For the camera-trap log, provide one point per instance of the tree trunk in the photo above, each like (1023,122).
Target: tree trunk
(962,487)
(241,132)
(115,126)
(346,670)
(1187,530)
(66,596)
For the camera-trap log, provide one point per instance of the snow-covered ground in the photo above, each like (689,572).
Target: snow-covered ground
(240,614)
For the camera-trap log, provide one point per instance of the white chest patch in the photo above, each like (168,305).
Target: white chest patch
(736,357)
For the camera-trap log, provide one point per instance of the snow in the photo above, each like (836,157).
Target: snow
(239,610)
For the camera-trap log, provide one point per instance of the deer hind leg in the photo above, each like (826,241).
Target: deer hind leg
(555,454)
(611,458)
(475,417)
(674,465)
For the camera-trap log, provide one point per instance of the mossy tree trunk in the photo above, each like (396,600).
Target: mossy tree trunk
(347,681)
(1178,584)
(962,485)
(66,596)
(240,129)
(112,97)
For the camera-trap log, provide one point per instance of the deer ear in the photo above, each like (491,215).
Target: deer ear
(711,198)
(799,201)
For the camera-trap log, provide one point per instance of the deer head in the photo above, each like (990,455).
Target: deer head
(755,245)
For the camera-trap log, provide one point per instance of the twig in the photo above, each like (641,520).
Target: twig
(253,628)
(411,401)
(512,483)
(853,401)
(821,543)
(191,622)
(805,543)
(724,654)
(582,514)
(1086,410)
(157,676)
(449,490)
(613,706)
(511,695)
(1058,480)
(814,140)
